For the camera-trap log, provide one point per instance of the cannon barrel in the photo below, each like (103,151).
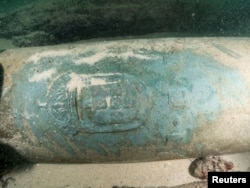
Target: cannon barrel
(126,100)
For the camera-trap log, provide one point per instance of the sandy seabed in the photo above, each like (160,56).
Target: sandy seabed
(171,173)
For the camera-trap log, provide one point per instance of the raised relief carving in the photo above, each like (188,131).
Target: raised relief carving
(98,103)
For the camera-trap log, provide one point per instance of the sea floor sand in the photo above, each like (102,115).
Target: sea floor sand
(144,175)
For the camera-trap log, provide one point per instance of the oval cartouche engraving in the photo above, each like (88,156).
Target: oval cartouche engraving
(98,103)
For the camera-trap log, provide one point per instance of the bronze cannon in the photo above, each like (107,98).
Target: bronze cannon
(127,100)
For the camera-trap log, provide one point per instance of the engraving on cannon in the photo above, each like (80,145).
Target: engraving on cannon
(98,103)
(120,100)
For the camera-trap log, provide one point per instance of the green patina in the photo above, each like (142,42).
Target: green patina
(143,102)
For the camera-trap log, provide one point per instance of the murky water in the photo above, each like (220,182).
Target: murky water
(44,22)
(30,23)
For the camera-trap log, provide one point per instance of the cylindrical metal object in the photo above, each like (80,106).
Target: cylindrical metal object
(127,100)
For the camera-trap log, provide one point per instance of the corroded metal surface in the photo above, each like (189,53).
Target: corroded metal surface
(127,100)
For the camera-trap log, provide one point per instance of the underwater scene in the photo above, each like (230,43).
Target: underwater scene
(123,93)
(46,22)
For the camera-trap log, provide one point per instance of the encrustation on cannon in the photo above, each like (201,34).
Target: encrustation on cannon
(126,100)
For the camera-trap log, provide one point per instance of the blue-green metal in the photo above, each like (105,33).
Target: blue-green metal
(150,100)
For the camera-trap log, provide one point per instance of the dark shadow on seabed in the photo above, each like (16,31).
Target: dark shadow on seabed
(1,80)
(10,159)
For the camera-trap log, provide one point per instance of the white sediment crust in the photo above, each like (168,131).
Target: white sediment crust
(37,77)
(108,101)
(52,53)
(80,81)
(92,59)
(99,56)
